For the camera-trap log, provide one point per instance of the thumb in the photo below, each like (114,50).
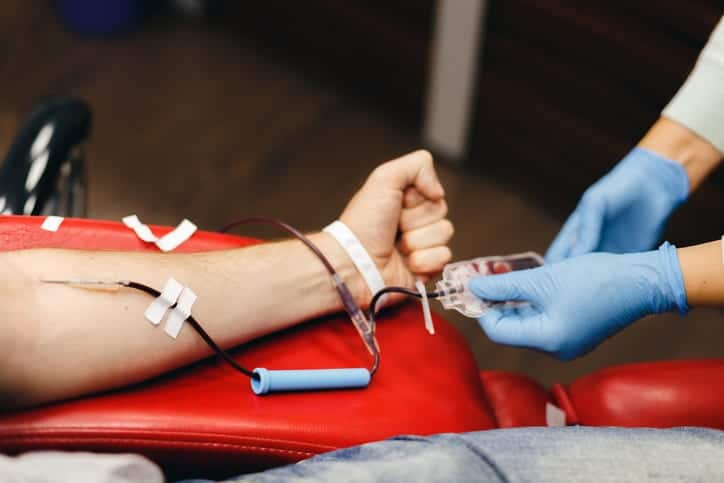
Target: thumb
(515,286)
(516,327)
(561,247)
(590,223)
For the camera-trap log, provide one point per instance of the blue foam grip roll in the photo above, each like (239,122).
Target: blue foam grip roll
(265,381)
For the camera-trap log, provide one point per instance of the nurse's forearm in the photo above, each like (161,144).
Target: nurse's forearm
(676,142)
(701,266)
(57,341)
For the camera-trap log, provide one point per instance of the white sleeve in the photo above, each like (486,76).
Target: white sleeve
(699,104)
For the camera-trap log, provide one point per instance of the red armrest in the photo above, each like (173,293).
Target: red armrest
(205,420)
(515,400)
(656,394)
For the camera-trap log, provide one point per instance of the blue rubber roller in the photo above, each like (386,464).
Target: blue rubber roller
(265,381)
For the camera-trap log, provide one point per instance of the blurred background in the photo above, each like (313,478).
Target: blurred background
(215,109)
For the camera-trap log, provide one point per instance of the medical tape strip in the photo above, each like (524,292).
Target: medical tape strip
(169,295)
(52,223)
(425,307)
(555,416)
(166,243)
(180,313)
(360,258)
(177,236)
(142,231)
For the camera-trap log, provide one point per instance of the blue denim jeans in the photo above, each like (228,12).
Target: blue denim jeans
(518,455)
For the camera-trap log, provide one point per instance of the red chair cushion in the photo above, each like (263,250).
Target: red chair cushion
(204,419)
(655,394)
(515,400)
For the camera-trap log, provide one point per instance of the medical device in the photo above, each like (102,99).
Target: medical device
(452,291)
(453,288)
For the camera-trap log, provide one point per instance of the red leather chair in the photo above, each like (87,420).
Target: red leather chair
(203,420)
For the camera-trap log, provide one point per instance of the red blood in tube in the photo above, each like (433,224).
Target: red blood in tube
(502,267)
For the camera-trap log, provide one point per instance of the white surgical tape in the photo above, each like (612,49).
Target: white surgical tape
(170,294)
(180,313)
(52,223)
(360,258)
(142,231)
(166,243)
(177,236)
(425,307)
(555,416)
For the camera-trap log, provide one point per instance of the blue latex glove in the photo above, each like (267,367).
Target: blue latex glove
(577,303)
(626,210)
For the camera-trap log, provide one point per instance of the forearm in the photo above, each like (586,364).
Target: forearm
(69,341)
(691,130)
(703,272)
(672,140)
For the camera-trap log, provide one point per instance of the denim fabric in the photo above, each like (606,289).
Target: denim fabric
(520,455)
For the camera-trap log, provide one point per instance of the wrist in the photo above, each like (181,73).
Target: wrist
(346,270)
(675,142)
(667,291)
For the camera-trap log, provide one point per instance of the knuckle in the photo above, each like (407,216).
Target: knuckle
(405,242)
(426,156)
(449,229)
(381,172)
(413,263)
(416,262)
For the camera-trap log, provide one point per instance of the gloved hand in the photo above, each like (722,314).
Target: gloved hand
(577,303)
(626,210)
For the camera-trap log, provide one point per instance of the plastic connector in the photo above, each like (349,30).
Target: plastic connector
(364,328)
(453,288)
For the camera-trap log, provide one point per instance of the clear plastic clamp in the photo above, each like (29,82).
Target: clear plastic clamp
(453,287)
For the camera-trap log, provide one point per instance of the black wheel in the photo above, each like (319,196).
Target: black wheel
(44,172)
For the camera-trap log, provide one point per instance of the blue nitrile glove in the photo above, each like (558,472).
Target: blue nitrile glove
(577,303)
(626,210)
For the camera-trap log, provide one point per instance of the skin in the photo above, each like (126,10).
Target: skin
(677,143)
(58,342)
(701,265)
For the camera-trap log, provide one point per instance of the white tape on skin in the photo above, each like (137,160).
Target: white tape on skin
(360,258)
(555,417)
(170,241)
(425,307)
(177,236)
(180,313)
(52,223)
(170,294)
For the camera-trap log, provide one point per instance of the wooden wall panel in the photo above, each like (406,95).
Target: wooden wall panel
(566,88)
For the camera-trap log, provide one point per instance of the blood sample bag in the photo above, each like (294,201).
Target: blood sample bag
(455,278)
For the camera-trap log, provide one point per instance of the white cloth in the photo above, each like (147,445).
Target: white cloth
(699,104)
(60,467)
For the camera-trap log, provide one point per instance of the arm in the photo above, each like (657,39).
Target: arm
(627,210)
(60,341)
(703,274)
(674,141)
(699,103)
(579,302)
(70,341)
